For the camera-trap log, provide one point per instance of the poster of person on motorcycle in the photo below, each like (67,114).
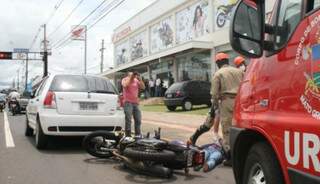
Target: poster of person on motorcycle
(223,11)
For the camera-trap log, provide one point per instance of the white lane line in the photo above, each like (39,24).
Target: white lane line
(7,131)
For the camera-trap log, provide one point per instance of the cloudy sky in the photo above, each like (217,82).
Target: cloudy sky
(20,21)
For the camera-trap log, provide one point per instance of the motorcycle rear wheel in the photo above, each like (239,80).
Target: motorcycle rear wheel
(95,143)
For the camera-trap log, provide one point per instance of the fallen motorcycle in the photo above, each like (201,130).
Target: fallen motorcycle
(149,155)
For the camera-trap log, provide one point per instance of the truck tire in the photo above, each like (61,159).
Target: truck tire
(91,147)
(147,155)
(171,108)
(262,166)
(28,131)
(41,138)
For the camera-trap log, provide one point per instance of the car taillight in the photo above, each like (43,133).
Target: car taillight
(198,158)
(50,100)
(120,102)
(178,94)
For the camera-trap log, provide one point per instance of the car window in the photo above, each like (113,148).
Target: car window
(100,85)
(40,89)
(205,86)
(176,86)
(289,18)
(69,83)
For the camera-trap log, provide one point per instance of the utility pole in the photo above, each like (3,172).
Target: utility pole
(102,51)
(45,53)
(85,50)
(18,82)
(26,81)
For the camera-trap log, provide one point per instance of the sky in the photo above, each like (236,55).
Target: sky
(20,21)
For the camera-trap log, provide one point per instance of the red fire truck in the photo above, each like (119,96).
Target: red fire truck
(275,138)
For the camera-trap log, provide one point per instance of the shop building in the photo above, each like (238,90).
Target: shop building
(173,40)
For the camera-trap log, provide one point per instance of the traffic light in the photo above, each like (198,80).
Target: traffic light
(5,55)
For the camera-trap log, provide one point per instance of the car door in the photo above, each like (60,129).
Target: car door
(287,92)
(33,105)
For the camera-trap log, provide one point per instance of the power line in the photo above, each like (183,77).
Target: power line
(56,7)
(92,25)
(67,18)
(35,38)
(64,37)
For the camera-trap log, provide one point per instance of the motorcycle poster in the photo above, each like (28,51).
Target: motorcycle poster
(139,46)
(122,53)
(223,11)
(162,35)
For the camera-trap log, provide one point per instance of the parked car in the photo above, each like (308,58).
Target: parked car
(187,94)
(73,105)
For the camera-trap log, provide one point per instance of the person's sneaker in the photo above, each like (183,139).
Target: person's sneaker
(205,167)
(227,163)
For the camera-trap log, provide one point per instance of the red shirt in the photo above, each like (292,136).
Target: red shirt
(130,93)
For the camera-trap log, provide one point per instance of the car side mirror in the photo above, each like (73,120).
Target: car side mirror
(247,28)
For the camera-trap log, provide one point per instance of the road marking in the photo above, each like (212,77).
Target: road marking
(7,131)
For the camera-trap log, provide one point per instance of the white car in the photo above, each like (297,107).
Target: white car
(73,105)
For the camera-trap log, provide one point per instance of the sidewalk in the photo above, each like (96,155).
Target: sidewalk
(174,126)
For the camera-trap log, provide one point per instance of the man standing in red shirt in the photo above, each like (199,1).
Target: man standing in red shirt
(131,86)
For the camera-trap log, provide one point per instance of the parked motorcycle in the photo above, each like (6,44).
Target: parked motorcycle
(224,14)
(14,106)
(149,155)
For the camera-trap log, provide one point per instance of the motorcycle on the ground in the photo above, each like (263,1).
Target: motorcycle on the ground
(149,155)
(14,106)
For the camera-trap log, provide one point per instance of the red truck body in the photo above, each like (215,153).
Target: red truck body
(278,103)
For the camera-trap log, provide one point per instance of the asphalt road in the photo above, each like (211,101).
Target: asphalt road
(64,162)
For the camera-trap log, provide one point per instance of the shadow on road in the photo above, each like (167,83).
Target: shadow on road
(138,177)
(61,145)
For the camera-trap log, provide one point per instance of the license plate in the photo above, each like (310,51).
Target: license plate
(88,106)
(169,95)
(190,158)
(13,105)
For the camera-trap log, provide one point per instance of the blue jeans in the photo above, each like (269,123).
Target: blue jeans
(132,109)
(213,156)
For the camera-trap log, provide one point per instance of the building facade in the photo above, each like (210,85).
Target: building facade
(173,40)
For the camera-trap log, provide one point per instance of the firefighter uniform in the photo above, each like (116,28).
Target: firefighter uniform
(225,84)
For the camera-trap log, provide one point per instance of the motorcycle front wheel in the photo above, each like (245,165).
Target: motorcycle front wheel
(100,144)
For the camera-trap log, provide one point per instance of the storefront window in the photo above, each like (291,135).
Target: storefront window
(194,66)
(164,71)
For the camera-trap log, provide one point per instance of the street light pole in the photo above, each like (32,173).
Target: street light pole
(85,50)
(102,51)
(45,53)
(26,81)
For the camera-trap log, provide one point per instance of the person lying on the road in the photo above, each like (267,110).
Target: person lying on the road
(214,155)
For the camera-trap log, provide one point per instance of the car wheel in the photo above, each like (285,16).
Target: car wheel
(262,166)
(29,130)
(41,138)
(171,108)
(187,105)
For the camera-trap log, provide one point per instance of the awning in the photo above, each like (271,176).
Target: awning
(168,52)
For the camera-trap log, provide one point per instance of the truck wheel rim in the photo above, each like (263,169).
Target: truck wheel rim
(257,175)
(188,105)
